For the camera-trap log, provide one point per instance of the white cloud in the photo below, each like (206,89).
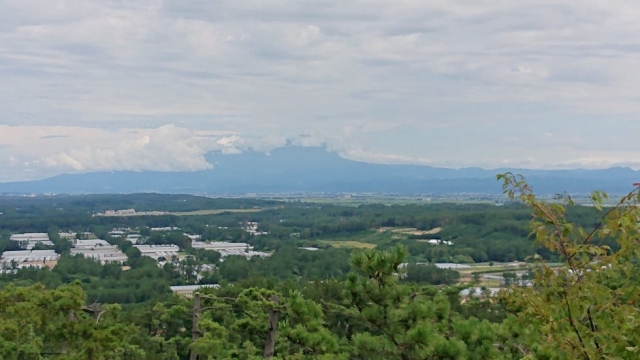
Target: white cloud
(167,148)
(442,82)
(76,149)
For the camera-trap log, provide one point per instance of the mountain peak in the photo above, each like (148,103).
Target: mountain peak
(294,168)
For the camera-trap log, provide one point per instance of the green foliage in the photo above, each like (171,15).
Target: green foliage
(588,308)
(105,283)
(430,274)
(339,303)
(408,322)
(37,323)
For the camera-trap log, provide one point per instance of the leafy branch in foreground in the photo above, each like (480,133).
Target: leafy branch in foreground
(586,309)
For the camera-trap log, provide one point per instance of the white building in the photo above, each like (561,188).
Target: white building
(188,290)
(89,244)
(193,237)
(480,292)
(67,235)
(157,252)
(25,258)
(226,248)
(309,248)
(99,250)
(29,240)
(436,242)
(134,238)
(219,245)
(252,228)
(167,228)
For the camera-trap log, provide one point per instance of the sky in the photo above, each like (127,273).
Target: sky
(106,85)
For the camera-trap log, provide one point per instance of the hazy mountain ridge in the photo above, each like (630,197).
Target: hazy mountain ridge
(298,169)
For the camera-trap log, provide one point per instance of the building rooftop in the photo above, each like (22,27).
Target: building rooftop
(30,237)
(100,250)
(188,290)
(158,251)
(29,256)
(91,243)
(104,255)
(213,245)
(479,292)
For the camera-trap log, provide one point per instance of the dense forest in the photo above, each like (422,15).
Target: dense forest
(479,233)
(338,301)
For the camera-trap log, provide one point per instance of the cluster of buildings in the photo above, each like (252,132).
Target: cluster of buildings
(13,260)
(118,232)
(104,252)
(130,212)
(29,240)
(134,238)
(252,228)
(27,256)
(99,250)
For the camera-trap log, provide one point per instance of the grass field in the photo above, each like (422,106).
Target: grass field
(411,231)
(490,283)
(348,243)
(214,212)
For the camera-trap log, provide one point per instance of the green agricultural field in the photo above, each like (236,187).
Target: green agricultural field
(214,212)
(348,244)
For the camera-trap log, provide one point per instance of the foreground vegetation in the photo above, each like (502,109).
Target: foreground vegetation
(363,307)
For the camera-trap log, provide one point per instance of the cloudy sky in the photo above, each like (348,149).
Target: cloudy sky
(93,85)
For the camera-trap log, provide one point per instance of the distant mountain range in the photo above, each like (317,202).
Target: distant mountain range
(314,170)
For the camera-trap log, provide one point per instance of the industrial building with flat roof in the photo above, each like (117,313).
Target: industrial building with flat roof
(134,238)
(88,244)
(99,250)
(226,248)
(188,290)
(67,235)
(158,252)
(29,240)
(27,258)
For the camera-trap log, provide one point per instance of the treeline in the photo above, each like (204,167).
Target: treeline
(585,309)
(142,279)
(479,233)
(22,206)
(370,314)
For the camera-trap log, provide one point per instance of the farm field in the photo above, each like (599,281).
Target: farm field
(348,244)
(214,212)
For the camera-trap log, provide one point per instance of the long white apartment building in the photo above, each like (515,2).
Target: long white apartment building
(29,240)
(99,250)
(226,248)
(189,290)
(159,252)
(26,258)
